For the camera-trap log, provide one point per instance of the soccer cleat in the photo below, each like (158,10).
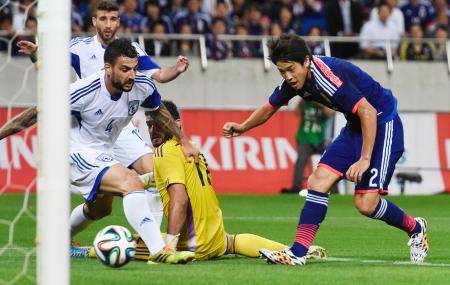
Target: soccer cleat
(316,252)
(418,243)
(171,256)
(82,252)
(282,257)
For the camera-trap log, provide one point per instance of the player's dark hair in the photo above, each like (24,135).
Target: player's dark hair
(288,47)
(119,47)
(172,108)
(383,3)
(107,5)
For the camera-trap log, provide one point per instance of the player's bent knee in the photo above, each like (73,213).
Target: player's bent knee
(365,207)
(318,182)
(131,182)
(98,212)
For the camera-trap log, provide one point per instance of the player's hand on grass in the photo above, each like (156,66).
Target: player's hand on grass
(27,48)
(182,64)
(356,171)
(189,150)
(231,129)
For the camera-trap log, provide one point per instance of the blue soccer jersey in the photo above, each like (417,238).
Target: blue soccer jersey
(340,85)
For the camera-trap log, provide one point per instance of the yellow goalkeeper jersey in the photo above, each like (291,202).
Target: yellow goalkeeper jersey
(203,231)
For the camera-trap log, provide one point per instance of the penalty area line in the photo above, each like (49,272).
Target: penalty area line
(380,261)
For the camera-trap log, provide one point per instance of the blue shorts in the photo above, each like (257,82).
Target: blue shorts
(346,150)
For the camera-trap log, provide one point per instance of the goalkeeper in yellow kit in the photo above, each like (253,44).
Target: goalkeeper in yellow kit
(191,206)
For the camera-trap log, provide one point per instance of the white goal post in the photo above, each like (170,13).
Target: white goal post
(53,197)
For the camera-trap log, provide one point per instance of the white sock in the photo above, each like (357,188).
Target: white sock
(78,220)
(155,204)
(141,219)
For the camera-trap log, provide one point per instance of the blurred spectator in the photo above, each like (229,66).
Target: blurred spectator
(255,21)
(286,20)
(174,7)
(416,49)
(378,28)
(130,19)
(222,10)
(217,49)
(31,26)
(243,49)
(275,30)
(367,6)
(199,21)
(441,34)
(237,10)
(24,9)
(416,12)
(316,47)
(87,18)
(209,6)
(344,18)
(185,47)
(396,17)
(77,20)
(160,46)
(312,13)
(6,25)
(153,16)
(442,19)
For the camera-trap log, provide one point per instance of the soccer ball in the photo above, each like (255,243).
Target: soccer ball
(114,246)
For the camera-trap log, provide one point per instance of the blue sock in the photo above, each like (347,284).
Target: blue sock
(312,215)
(394,216)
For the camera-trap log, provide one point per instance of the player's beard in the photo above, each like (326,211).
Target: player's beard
(106,39)
(121,86)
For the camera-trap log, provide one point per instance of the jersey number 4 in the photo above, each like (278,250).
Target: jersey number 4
(108,128)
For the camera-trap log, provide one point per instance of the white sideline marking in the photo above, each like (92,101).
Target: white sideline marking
(356,260)
(337,259)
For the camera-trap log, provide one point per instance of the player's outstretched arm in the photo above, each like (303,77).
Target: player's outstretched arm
(28,48)
(167,74)
(178,205)
(258,117)
(368,117)
(165,121)
(22,121)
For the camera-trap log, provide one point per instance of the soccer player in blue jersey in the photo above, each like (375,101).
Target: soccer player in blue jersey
(365,151)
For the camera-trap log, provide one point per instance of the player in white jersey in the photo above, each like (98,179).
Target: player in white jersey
(101,106)
(87,58)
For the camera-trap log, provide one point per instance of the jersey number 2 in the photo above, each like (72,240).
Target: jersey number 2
(374,172)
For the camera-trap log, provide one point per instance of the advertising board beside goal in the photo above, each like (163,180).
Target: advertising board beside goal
(261,161)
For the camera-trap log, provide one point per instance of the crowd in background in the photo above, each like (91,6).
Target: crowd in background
(368,19)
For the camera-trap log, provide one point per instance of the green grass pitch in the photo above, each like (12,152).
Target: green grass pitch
(365,251)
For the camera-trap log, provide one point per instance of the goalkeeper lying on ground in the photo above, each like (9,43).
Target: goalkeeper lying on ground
(195,221)
(191,206)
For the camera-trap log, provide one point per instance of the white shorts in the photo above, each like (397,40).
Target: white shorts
(87,167)
(130,146)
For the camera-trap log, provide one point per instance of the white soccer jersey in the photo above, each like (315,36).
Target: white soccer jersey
(87,57)
(99,117)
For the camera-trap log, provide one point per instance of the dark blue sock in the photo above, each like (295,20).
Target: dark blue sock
(312,215)
(394,216)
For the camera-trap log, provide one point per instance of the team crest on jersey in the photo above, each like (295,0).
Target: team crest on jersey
(105,157)
(133,106)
